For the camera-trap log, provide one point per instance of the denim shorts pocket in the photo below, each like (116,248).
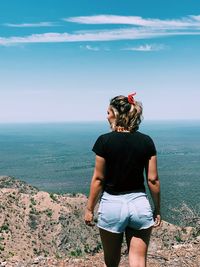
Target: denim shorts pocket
(143,208)
(110,211)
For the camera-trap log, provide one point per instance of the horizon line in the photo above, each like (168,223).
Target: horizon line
(92,121)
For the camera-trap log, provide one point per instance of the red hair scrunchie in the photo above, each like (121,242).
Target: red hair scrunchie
(131,99)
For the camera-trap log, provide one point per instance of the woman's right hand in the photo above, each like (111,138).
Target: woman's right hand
(89,217)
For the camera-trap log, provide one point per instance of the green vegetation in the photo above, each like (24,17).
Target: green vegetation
(33,211)
(188,216)
(33,221)
(11,254)
(33,202)
(35,251)
(53,197)
(58,256)
(178,237)
(4,227)
(49,212)
(76,253)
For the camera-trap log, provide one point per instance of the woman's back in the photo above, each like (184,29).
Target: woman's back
(126,155)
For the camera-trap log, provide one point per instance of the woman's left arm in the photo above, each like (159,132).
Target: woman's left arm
(95,188)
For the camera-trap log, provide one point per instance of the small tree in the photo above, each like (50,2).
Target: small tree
(188,216)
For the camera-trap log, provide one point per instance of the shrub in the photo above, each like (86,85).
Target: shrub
(52,196)
(4,227)
(76,253)
(33,202)
(49,212)
(32,221)
(188,216)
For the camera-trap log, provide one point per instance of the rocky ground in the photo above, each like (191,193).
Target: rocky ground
(42,229)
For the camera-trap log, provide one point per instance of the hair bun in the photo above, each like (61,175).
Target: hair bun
(127,107)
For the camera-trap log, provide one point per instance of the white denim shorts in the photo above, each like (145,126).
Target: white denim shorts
(117,212)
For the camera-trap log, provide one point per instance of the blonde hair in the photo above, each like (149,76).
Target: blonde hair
(128,116)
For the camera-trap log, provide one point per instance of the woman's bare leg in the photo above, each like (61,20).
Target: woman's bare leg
(138,241)
(112,247)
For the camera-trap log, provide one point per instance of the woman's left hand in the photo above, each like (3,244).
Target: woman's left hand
(157,219)
(89,215)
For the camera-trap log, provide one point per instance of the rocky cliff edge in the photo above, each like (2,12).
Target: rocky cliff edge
(42,229)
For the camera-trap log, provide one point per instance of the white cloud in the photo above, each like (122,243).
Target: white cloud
(86,36)
(35,38)
(27,25)
(197,18)
(140,29)
(185,22)
(146,48)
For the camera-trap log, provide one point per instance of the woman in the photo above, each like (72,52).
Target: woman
(121,158)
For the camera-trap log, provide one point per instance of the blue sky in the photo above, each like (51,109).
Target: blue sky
(62,60)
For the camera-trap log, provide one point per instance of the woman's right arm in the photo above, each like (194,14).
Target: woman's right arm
(95,188)
(154,187)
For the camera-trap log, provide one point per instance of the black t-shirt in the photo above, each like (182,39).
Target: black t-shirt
(126,155)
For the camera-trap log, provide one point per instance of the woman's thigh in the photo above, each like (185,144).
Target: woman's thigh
(112,246)
(137,242)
